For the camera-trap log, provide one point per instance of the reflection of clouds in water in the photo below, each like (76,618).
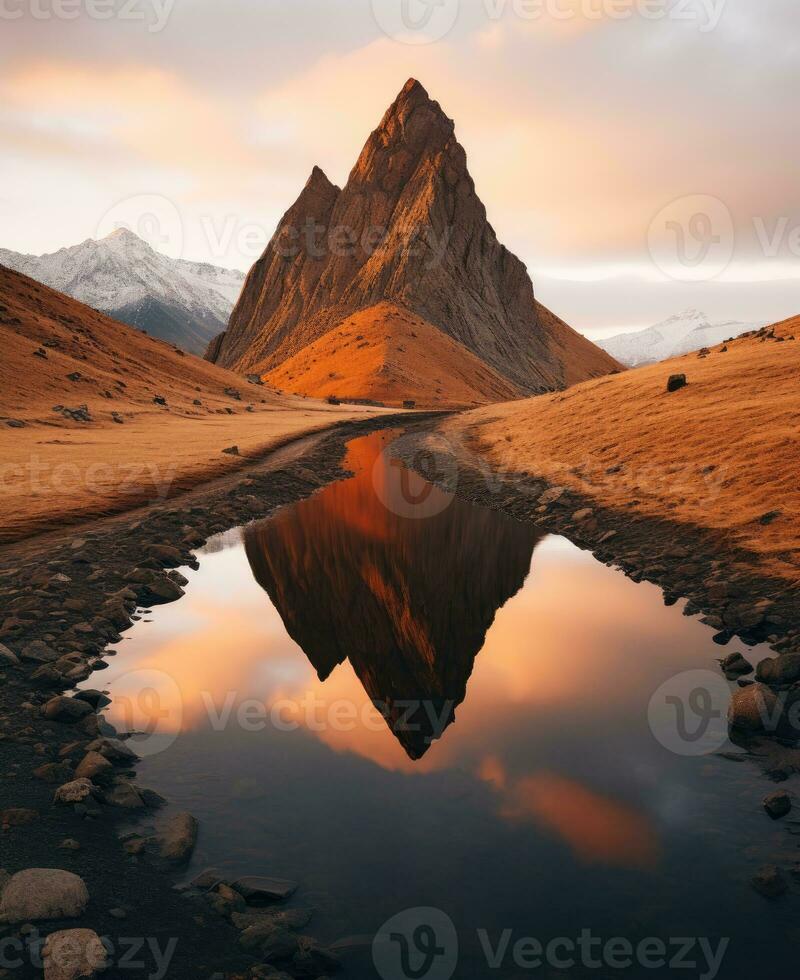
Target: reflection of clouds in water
(595,827)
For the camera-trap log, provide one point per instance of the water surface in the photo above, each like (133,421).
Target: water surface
(401,700)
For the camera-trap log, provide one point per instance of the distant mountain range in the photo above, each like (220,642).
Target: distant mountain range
(680,334)
(184,303)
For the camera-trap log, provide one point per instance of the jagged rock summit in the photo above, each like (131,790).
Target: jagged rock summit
(407,228)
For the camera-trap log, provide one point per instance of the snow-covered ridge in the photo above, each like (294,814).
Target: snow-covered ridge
(680,334)
(123,272)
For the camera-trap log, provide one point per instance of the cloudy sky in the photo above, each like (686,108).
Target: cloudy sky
(639,155)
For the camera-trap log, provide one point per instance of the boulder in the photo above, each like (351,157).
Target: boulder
(753,708)
(769,881)
(39,653)
(166,555)
(18,817)
(66,710)
(124,794)
(161,590)
(176,838)
(7,657)
(778,804)
(71,954)
(734,665)
(76,791)
(93,766)
(43,893)
(256,888)
(53,772)
(784,669)
(113,750)
(676,382)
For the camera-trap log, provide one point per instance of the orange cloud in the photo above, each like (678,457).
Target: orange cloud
(599,830)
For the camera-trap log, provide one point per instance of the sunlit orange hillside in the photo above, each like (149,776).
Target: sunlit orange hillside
(387,354)
(96,416)
(722,452)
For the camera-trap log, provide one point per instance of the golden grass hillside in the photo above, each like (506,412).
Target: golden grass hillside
(388,354)
(58,354)
(722,452)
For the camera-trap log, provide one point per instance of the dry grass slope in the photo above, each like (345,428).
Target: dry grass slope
(55,469)
(723,452)
(388,354)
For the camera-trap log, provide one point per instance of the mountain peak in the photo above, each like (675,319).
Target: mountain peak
(318,180)
(413,91)
(122,234)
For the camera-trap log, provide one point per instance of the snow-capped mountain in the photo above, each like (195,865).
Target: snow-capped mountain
(679,334)
(185,303)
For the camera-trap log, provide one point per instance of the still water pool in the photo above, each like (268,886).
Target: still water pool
(402,701)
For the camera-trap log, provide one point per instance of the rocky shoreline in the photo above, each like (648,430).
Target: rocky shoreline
(71,809)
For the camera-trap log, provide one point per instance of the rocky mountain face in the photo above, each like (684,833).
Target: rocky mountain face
(680,334)
(407,228)
(184,303)
(355,577)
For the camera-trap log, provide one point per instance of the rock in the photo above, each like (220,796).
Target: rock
(233,393)
(280,945)
(66,710)
(43,893)
(784,669)
(753,708)
(113,750)
(743,617)
(48,676)
(15,423)
(39,653)
(166,555)
(769,517)
(162,590)
(676,382)
(93,766)
(176,838)
(72,954)
(225,900)
(159,400)
(206,880)
(552,495)
(777,804)
(231,451)
(53,772)
(582,515)
(734,665)
(769,881)
(96,699)
(313,960)
(256,888)
(7,657)
(79,414)
(124,794)
(18,817)
(69,844)
(76,791)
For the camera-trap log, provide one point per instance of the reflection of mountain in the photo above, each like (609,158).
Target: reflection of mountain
(407,600)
